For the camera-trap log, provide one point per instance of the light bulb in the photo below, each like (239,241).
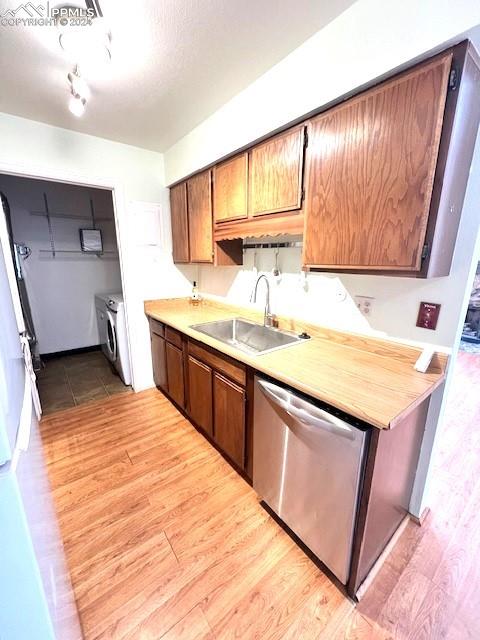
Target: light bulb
(79,86)
(87,45)
(77,105)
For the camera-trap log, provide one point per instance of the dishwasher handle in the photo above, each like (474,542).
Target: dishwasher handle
(305,412)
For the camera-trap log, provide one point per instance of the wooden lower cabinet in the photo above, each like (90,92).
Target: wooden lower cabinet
(175,374)
(217,399)
(208,385)
(200,394)
(229,418)
(159,361)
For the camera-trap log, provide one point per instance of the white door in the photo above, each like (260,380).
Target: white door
(15,357)
(36,598)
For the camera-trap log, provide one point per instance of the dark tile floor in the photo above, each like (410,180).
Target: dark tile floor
(67,381)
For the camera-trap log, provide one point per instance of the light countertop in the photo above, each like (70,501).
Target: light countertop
(369,378)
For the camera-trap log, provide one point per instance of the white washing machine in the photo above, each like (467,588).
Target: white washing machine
(112,329)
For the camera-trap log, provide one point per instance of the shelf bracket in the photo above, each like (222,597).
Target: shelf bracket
(49,222)
(92,209)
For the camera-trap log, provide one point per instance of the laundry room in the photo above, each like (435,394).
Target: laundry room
(64,243)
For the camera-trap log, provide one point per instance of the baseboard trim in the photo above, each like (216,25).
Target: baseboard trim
(69,352)
(423,516)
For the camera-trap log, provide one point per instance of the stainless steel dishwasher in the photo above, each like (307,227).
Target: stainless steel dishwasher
(308,467)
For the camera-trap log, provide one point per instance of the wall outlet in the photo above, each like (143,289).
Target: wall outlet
(364,304)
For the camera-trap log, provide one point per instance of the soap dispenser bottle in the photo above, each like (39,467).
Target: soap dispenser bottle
(195,299)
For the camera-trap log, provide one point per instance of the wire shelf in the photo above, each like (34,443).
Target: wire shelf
(68,216)
(54,252)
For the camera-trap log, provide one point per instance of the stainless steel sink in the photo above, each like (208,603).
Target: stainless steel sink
(247,336)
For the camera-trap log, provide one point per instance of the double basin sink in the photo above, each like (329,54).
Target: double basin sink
(247,336)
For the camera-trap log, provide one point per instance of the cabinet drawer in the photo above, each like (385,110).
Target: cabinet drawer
(218,361)
(173,336)
(156,327)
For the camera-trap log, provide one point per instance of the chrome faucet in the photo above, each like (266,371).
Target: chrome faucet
(268,317)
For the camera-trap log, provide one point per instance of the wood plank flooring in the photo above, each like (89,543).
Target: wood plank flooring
(165,541)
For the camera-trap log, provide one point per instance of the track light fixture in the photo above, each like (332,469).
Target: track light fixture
(80,93)
(78,84)
(76,105)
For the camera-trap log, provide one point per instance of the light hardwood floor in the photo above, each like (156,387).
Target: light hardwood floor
(164,540)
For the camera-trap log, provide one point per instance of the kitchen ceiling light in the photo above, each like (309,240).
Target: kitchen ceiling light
(88,44)
(78,85)
(77,105)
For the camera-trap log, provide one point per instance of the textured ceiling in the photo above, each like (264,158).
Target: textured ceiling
(173,63)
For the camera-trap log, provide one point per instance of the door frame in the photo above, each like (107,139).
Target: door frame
(116,187)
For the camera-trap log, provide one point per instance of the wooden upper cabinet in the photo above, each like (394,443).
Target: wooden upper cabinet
(276,172)
(200,224)
(179,218)
(230,187)
(370,170)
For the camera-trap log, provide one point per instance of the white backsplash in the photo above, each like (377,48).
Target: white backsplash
(329,299)
(321,299)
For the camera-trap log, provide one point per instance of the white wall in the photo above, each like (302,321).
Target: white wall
(368,40)
(467,253)
(138,175)
(329,299)
(61,290)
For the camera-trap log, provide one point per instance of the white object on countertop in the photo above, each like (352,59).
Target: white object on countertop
(424,360)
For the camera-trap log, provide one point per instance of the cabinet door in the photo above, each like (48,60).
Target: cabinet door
(176,385)
(276,170)
(229,418)
(179,218)
(230,189)
(159,361)
(200,221)
(200,405)
(370,169)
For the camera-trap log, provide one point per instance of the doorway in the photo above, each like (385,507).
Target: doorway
(64,244)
